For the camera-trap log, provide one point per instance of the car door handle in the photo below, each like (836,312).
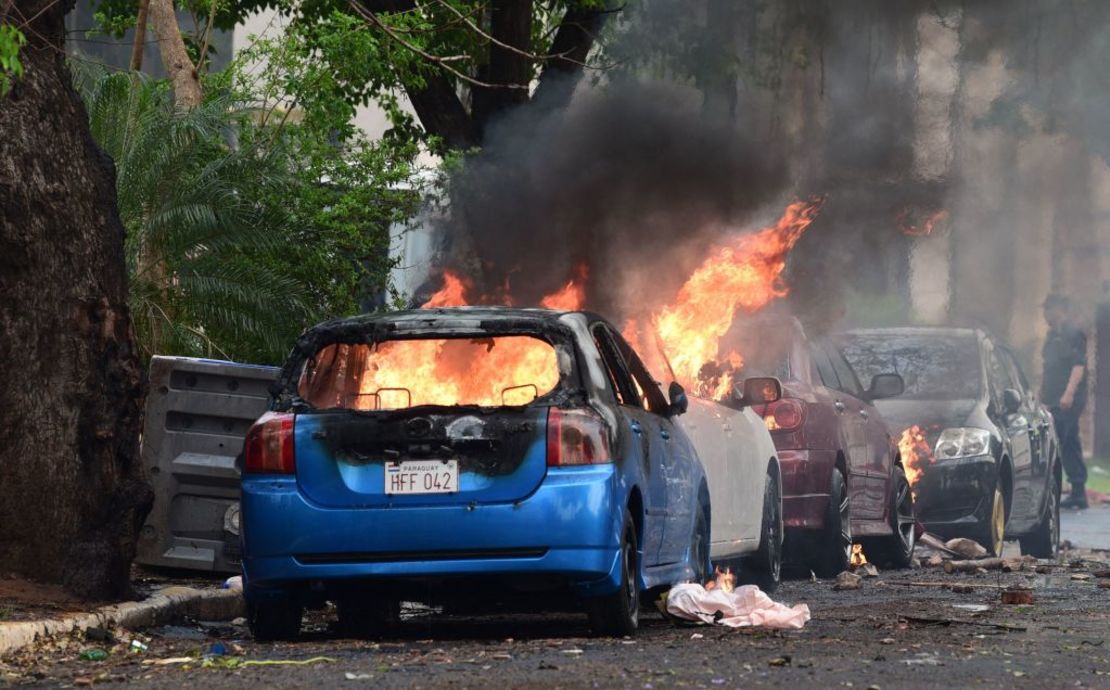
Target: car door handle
(665,434)
(839,407)
(636,428)
(863,413)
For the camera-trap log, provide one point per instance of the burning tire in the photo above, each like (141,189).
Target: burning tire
(834,547)
(1044,540)
(764,569)
(896,551)
(274,620)
(618,614)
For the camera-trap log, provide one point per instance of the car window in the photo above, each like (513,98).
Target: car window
(1010,362)
(649,395)
(998,373)
(619,379)
(848,381)
(825,368)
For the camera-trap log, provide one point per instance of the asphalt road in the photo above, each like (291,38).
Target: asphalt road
(901,629)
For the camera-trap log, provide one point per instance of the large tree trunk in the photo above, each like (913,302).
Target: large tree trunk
(72,495)
(175,59)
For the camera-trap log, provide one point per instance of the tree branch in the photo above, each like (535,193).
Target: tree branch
(576,36)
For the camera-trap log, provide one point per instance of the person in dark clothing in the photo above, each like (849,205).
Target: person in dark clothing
(1064,391)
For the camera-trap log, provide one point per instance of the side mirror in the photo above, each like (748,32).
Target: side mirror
(886,386)
(760,390)
(1011,401)
(679,402)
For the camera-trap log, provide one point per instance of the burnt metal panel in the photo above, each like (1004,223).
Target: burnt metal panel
(197,414)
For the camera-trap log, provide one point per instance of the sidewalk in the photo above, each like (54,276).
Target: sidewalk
(161,607)
(1088,529)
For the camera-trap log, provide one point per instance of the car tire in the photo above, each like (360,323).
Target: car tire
(363,617)
(699,545)
(618,614)
(896,551)
(764,569)
(1044,540)
(274,620)
(991,534)
(833,552)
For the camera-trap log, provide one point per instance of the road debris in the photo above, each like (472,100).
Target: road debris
(848,580)
(968,548)
(746,606)
(1017,595)
(972,566)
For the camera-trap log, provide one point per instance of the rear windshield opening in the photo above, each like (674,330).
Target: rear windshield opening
(397,374)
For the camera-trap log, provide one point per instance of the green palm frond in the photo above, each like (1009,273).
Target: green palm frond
(199,211)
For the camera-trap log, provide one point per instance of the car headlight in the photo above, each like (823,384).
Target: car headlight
(962,442)
(231,519)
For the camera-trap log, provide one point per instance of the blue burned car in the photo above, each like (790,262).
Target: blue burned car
(454,456)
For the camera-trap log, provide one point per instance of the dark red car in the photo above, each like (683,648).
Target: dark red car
(843,480)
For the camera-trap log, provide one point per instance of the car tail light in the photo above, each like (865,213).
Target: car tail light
(787,413)
(269,445)
(576,437)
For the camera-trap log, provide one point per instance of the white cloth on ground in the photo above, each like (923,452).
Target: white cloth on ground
(746,606)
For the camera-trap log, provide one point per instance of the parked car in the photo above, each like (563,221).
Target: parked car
(450,456)
(992,470)
(843,480)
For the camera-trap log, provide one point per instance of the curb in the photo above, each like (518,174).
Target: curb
(160,608)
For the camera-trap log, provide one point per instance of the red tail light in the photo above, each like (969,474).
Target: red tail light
(269,445)
(786,414)
(576,437)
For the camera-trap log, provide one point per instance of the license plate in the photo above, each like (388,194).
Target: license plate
(422,477)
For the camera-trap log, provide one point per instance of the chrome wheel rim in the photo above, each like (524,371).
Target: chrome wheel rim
(998,522)
(904,518)
(846,525)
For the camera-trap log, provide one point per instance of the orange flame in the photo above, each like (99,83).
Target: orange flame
(916,454)
(724,580)
(452,294)
(743,274)
(858,559)
(927,225)
(572,296)
(509,370)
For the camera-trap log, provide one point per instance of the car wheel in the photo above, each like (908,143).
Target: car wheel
(618,614)
(272,620)
(364,617)
(764,569)
(992,533)
(834,550)
(896,551)
(1044,541)
(699,545)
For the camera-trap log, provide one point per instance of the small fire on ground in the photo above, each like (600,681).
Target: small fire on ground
(858,559)
(723,580)
(916,454)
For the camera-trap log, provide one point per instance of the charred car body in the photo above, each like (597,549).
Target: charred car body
(989,466)
(843,480)
(455,455)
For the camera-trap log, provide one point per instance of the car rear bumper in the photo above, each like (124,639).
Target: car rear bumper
(569,528)
(954,496)
(805,487)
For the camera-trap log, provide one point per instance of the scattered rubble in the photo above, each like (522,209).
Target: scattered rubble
(1017,596)
(848,580)
(968,548)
